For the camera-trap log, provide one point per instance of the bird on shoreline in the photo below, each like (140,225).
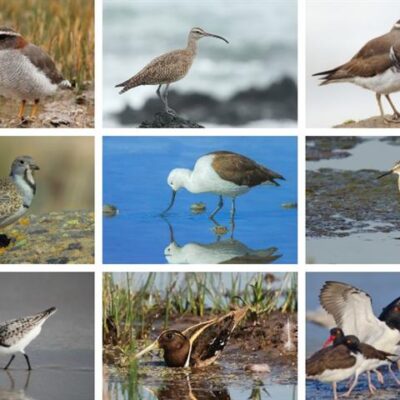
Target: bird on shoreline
(394,170)
(27,72)
(223,173)
(17,334)
(199,345)
(375,67)
(16,193)
(168,68)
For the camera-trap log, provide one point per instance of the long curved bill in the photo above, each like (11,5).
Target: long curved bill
(385,174)
(171,203)
(217,36)
(153,346)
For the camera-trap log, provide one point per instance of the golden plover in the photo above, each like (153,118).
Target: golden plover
(15,335)
(375,67)
(168,68)
(16,193)
(27,73)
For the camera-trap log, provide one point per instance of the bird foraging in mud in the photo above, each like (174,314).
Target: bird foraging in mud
(27,72)
(168,68)
(199,345)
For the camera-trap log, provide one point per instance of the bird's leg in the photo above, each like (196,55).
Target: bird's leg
(219,206)
(393,374)
(396,115)
(159,93)
(21,110)
(233,213)
(379,376)
(35,109)
(348,393)
(27,361)
(334,387)
(371,387)
(378,99)
(168,109)
(9,363)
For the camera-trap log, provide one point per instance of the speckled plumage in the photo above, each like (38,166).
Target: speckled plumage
(11,200)
(168,68)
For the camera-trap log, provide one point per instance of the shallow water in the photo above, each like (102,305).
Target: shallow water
(383,288)
(135,172)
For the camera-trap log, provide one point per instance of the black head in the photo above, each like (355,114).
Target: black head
(352,343)
(391,314)
(336,336)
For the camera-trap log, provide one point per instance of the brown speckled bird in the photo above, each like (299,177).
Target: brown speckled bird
(199,345)
(168,68)
(16,193)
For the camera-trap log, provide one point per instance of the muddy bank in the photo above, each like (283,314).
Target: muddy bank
(330,147)
(277,102)
(54,238)
(68,109)
(340,203)
(373,122)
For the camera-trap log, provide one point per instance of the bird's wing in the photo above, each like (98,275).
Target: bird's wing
(352,310)
(328,358)
(10,199)
(242,170)
(41,60)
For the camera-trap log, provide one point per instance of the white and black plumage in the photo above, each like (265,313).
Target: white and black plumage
(17,192)
(375,67)
(16,334)
(27,73)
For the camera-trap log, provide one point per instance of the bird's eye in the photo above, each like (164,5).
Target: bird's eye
(170,335)
(22,162)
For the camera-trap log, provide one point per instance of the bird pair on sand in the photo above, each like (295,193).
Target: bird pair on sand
(361,341)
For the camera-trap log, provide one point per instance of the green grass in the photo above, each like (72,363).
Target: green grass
(131,311)
(63,28)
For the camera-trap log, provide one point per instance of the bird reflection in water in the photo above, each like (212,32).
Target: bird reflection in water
(229,251)
(12,393)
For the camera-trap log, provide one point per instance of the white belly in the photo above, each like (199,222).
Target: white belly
(20,346)
(386,83)
(20,79)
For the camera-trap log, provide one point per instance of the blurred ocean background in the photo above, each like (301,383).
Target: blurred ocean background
(135,172)
(336,31)
(262,49)
(65,180)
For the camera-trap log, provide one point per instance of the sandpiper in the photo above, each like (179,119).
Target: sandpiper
(199,345)
(26,71)
(375,67)
(16,193)
(168,68)
(15,335)
(394,170)
(223,173)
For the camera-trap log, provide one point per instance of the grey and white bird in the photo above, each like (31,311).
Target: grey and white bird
(375,67)
(168,68)
(16,193)
(17,334)
(27,73)
(394,170)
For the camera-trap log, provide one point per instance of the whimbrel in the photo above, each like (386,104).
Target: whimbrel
(168,68)
(375,67)
(223,173)
(394,170)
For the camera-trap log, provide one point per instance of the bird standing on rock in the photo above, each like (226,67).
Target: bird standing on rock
(168,68)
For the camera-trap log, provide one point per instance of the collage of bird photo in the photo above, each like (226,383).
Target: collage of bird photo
(199,200)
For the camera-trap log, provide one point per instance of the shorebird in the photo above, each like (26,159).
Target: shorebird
(26,71)
(394,170)
(15,335)
(375,67)
(223,173)
(372,359)
(199,345)
(352,310)
(168,68)
(335,363)
(16,193)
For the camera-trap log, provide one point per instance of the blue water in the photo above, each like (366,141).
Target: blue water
(135,170)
